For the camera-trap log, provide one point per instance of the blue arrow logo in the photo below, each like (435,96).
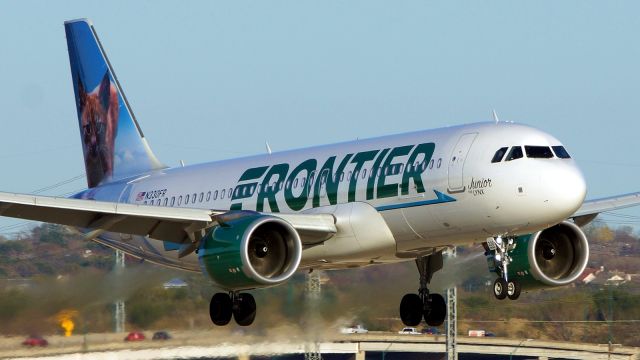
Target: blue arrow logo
(440,199)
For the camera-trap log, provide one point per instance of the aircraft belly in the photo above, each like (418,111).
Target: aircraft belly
(362,236)
(399,226)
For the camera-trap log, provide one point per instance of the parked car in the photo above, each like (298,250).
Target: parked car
(409,331)
(354,329)
(135,336)
(161,335)
(35,340)
(431,331)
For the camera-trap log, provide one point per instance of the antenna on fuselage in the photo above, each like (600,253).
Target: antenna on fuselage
(495,116)
(268,147)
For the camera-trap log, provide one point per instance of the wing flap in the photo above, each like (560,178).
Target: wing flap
(168,224)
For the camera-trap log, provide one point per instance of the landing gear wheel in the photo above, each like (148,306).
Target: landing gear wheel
(500,288)
(245,310)
(513,290)
(411,308)
(437,311)
(220,309)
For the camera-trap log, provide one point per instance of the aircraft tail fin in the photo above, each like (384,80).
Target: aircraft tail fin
(113,144)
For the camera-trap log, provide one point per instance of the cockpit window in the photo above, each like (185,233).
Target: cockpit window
(561,152)
(538,152)
(499,155)
(515,153)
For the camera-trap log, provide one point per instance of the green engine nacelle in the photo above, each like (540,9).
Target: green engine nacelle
(552,257)
(250,250)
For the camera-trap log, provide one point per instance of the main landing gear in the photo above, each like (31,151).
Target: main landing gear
(503,287)
(432,307)
(241,305)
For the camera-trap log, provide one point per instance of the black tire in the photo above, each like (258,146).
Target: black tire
(411,309)
(437,310)
(220,309)
(513,289)
(245,312)
(500,288)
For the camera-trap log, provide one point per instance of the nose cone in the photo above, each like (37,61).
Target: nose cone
(566,188)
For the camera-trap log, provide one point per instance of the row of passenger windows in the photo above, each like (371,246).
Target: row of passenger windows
(534,152)
(190,198)
(247,191)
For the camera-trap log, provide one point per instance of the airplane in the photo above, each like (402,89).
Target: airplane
(252,222)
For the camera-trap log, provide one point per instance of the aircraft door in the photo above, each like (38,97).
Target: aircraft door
(456,162)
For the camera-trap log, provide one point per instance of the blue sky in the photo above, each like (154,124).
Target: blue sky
(211,80)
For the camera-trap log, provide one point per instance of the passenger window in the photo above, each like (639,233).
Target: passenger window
(295,183)
(158,202)
(497,157)
(538,152)
(208,196)
(364,173)
(431,164)
(180,200)
(164,203)
(193,198)
(439,163)
(401,169)
(222,194)
(341,176)
(515,153)
(201,197)
(215,195)
(173,200)
(561,152)
(229,193)
(186,199)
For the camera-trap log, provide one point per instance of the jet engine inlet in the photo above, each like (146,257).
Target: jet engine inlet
(559,254)
(272,250)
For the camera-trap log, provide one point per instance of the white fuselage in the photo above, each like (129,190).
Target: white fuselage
(431,189)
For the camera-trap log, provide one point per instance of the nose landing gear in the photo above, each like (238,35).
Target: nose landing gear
(503,287)
(431,307)
(242,306)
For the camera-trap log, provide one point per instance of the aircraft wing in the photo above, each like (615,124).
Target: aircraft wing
(591,208)
(178,225)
